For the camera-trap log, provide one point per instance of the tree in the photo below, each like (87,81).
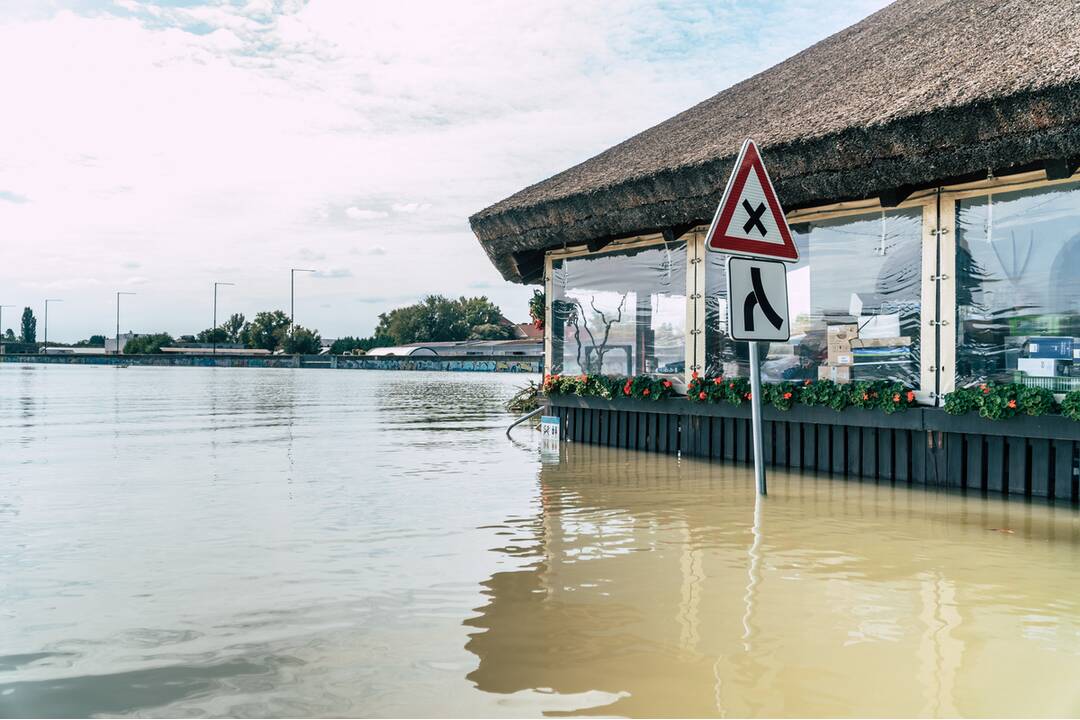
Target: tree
(213,335)
(267,331)
(348,344)
(29,326)
(92,341)
(490,331)
(9,335)
(234,327)
(148,344)
(436,319)
(302,341)
(537,308)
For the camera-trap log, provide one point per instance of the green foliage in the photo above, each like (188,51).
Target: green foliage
(92,341)
(781,395)
(9,335)
(234,328)
(491,331)
(148,344)
(267,331)
(537,307)
(994,401)
(889,397)
(213,335)
(436,319)
(609,387)
(29,326)
(1070,405)
(348,344)
(825,393)
(302,341)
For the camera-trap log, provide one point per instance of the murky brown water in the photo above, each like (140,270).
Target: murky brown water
(260,542)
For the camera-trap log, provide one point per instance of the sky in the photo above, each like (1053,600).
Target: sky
(157,147)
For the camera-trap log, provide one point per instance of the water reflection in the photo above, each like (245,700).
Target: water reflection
(668,586)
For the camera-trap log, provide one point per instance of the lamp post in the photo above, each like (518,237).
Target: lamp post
(292,296)
(47,301)
(213,328)
(118,294)
(2,318)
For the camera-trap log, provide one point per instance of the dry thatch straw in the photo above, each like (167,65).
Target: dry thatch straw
(918,94)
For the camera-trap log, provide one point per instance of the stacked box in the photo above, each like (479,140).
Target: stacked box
(839,360)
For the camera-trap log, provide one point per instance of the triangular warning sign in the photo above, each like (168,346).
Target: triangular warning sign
(749,220)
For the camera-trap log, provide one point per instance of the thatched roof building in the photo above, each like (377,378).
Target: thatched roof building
(920,93)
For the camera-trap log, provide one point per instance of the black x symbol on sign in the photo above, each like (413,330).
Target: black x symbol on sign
(755,217)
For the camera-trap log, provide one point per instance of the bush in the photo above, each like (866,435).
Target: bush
(1070,405)
(609,387)
(148,344)
(995,402)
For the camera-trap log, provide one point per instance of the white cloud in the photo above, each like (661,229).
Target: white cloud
(334,273)
(361,214)
(210,142)
(410,207)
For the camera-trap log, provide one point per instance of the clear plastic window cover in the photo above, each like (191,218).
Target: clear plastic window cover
(862,270)
(620,313)
(1018,288)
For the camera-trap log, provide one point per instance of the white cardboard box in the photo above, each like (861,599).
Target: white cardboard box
(1037,367)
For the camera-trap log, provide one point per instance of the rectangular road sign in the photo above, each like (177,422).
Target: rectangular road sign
(757,299)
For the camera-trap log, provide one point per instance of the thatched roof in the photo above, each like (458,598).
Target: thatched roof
(920,92)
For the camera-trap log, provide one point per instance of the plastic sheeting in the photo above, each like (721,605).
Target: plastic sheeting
(860,269)
(1018,283)
(620,313)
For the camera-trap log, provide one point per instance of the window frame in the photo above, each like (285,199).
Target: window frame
(938,349)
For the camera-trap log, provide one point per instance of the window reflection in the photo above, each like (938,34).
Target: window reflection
(1018,287)
(620,313)
(859,272)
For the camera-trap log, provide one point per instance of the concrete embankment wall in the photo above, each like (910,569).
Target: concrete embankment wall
(339,362)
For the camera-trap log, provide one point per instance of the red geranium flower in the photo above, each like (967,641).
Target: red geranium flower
(667,383)
(645,391)
(694,374)
(718,381)
(896,398)
(865,396)
(984,388)
(806,382)
(749,396)
(1012,403)
(787,396)
(911,396)
(701,396)
(731,385)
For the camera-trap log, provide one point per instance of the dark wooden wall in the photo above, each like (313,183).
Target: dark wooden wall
(902,448)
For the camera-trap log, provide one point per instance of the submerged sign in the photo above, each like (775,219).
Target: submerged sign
(749,220)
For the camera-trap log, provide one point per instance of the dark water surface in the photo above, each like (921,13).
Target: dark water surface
(179,541)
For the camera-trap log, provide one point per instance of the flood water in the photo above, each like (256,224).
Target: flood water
(182,542)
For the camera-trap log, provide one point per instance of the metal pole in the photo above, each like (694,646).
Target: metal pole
(755,404)
(213,328)
(116,349)
(292,296)
(46,327)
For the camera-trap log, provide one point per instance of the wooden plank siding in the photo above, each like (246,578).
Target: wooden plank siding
(1039,460)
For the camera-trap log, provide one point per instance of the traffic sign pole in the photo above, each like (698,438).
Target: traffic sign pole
(752,229)
(755,409)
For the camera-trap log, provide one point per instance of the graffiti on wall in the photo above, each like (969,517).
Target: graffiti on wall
(511,365)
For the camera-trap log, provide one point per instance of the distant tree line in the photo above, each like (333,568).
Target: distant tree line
(436,318)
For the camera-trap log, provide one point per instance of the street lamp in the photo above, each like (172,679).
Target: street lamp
(213,328)
(118,294)
(47,301)
(2,318)
(292,296)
